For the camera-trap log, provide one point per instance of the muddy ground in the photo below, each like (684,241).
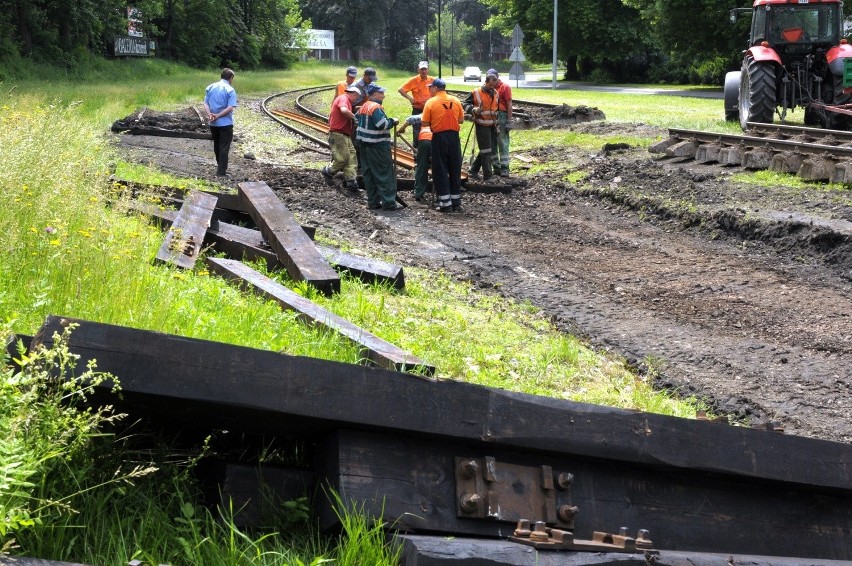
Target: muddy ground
(739,294)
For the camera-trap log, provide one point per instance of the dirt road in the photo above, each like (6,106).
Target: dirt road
(739,294)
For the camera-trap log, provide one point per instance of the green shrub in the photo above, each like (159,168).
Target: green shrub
(408,58)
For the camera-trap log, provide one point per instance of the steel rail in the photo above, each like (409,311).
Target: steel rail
(841,152)
(319,122)
(801,132)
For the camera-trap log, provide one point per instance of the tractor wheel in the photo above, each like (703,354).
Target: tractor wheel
(732,95)
(837,121)
(757,92)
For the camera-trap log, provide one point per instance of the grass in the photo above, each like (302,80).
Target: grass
(67,252)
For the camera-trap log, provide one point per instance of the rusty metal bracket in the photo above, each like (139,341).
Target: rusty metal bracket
(543,537)
(488,489)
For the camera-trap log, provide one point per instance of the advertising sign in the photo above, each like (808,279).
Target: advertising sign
(134,22)
(320,39)
(132,46)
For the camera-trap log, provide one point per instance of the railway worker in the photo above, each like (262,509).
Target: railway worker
(220,100)
(351,73)
(417,93)
(423,157)
(444,115)
(341,121)
(482,104)
(363,85)
(374,140)
(504,125)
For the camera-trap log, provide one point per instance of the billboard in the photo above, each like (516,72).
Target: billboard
(320,39)
(134,22)
(126,46)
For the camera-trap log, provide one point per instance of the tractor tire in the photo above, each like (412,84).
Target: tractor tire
(732,96)
(757,92)
(837,121)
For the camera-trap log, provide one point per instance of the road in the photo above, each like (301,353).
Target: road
(545,81)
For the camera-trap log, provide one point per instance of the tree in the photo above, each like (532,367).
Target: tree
(456,38)
(358,24)
(602,34)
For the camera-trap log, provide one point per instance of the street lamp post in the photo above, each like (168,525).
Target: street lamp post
(439,39)
(555,12)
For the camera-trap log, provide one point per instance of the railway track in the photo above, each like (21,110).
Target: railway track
(313,125)
(812,154)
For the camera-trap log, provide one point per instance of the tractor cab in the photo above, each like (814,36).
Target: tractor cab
(796,27)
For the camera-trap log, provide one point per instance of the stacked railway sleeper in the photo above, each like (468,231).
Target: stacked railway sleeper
(812,154)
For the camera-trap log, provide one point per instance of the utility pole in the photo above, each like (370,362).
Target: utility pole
(439,38)
(555,12)
(453,46)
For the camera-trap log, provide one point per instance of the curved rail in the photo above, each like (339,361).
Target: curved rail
(319,122)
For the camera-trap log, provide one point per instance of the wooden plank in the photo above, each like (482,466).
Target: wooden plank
(412,485)
(183,241)
(243,243)
(426,550)
(366,269)
(230,201)
(162,132)
(294,250)
(697,486)
(7,560)
(234,384)
(372,348)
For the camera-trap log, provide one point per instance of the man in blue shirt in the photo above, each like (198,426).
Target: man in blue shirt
(220,99)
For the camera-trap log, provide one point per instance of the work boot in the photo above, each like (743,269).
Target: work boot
(327,174)
(457,208)
(473,175)
(352,185)
(504,171)
(444,208)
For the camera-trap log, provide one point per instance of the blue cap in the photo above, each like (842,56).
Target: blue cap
(373,87)
(371,72)
(352,71)
(438,83)
(492,72)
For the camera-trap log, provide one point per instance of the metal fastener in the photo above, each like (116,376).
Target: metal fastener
(469,502)
(564,480)
(468,468)
(539,533)
(568,512)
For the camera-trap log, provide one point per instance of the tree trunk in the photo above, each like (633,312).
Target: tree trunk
(24,32)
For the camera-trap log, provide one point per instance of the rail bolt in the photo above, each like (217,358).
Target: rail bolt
(468,468)
(568,512)
(564,480)
(469,502)
(539,533)
(523,528)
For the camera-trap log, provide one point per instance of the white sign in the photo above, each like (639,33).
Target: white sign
(320,39)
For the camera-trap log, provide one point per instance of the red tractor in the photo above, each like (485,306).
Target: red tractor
(796,57)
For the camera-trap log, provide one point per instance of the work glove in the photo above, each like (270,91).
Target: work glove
(507,126)
(392,122)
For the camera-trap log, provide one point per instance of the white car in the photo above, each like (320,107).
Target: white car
(472,74)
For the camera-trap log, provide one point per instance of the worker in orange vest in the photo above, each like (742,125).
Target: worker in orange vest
(482,105)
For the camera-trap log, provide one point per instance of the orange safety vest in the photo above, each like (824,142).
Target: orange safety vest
(443,112)
(487,104)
